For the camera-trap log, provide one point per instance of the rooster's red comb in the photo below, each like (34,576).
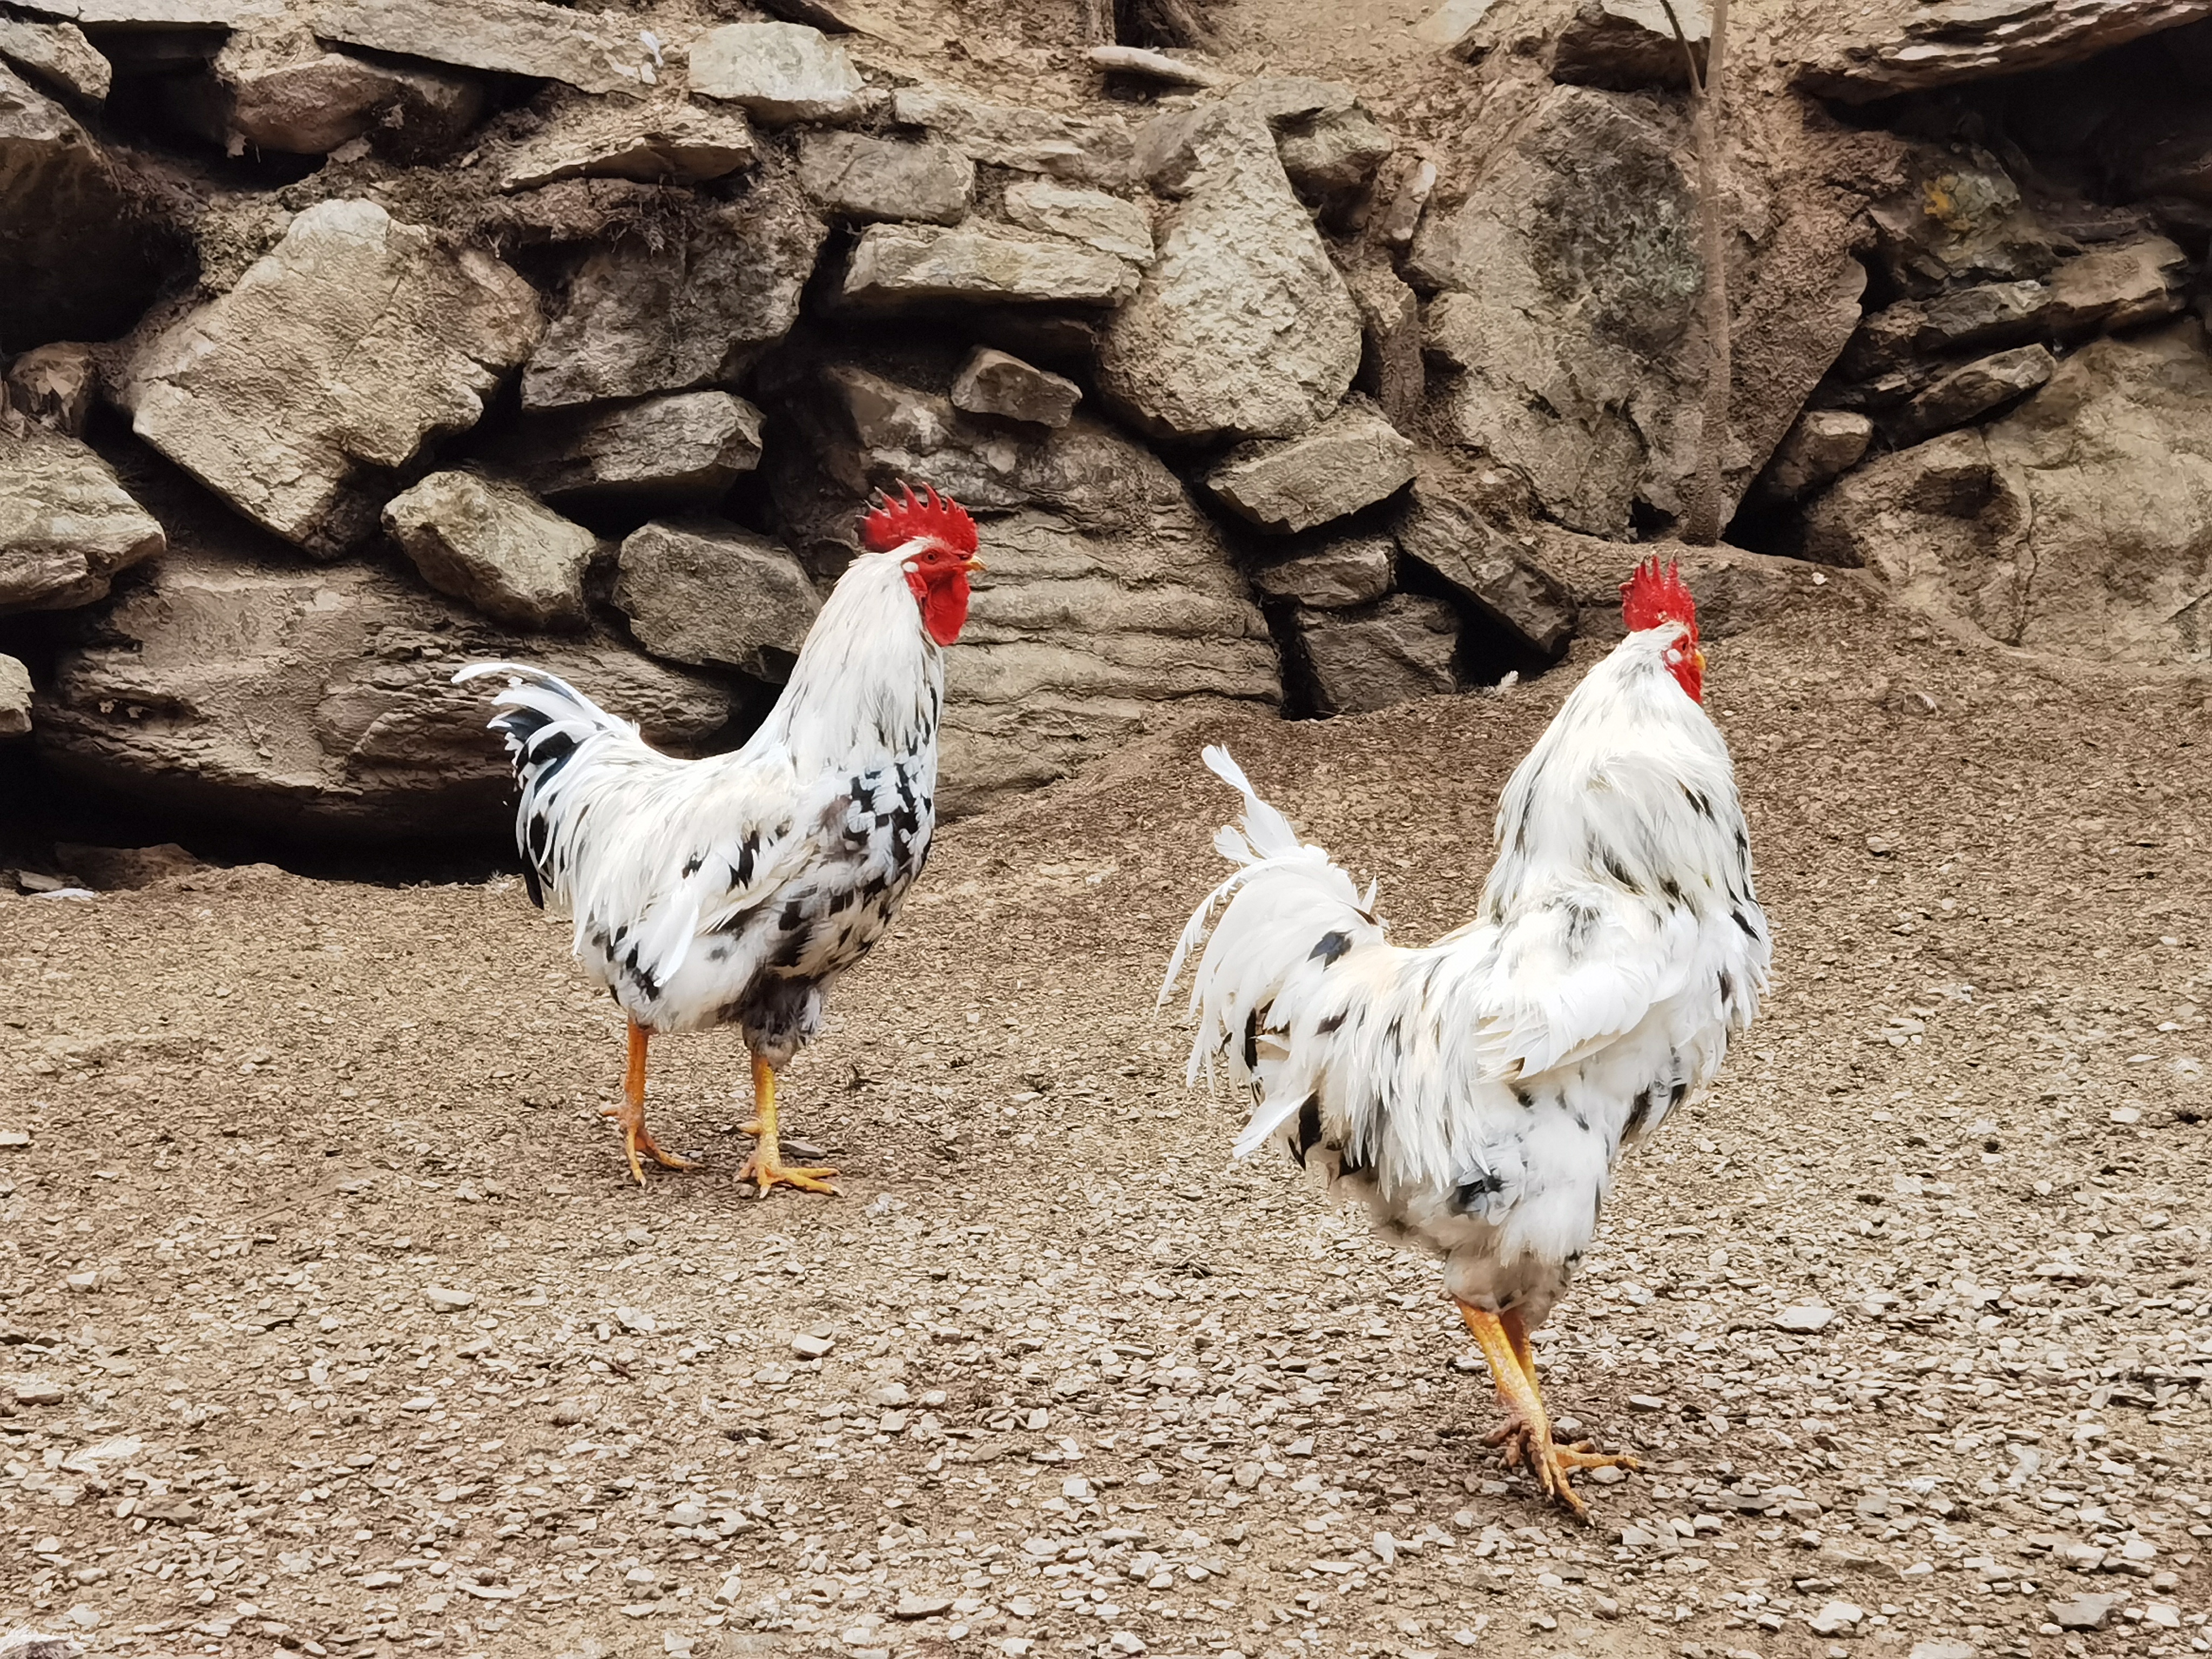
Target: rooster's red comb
(908,517)
(1652,596)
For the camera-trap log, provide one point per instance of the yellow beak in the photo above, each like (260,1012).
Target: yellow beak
(974,568)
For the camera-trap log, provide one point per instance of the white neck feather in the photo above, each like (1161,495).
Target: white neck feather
(869,682)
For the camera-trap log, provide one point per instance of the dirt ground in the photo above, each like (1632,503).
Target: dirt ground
(1054,1375)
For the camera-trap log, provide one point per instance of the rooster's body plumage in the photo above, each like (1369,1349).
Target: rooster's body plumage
(1477,1092)
(736,889)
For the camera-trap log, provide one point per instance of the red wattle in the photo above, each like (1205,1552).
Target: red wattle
(944,605)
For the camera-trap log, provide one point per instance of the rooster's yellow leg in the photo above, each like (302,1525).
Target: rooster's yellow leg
(1527,1435)
(766,1168)
(630,1116)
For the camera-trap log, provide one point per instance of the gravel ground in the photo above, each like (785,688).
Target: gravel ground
(332,1325)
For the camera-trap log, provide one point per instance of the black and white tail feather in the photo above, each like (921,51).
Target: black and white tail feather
(1476,1092)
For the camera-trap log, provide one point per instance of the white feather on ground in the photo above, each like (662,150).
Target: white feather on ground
(1477,1092)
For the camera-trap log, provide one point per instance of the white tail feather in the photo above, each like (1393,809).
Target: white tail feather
(1283,896)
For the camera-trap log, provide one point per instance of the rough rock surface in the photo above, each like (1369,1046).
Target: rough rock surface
(853,176)
(1891,46)
(1331,574)
(1487,567)
(686,449)
(1243,327)
(1973,389)
(998,383)
(858,431)
(1108,223)
(2081,523)
(1088,149)
(694,309)
(665,139)
(55,385)
(342,351)
(704,591)
(1353,459)
(274,87)
(1958,219)
(83,246)
(14,697)
(898,265)
(1570,277)
(1083,637)
(58,56)
(776,72)
(495,545)
(66,525)
(593,52)
(1617,44)
(1334,154)
(318,699)
(1359,660)
(1822,444)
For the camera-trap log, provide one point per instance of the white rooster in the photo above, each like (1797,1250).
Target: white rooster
(736,890)
(1476,1093)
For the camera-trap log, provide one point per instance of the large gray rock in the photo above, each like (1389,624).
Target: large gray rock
(1824,443)
(1106,222)
(895,266)
(1617,44)
(856,432)
(695,309)
(2124,285)
(1569,279)
(1485,566)
(1958,219)
(776,72)
(704,591)
(1333,154)
(84,246)
(274,87)
(56,385)
(992,382)
(1973,389)
(495,545)
(1883,47)
(1242,327)
(316,699)
(1088,149)
(58,56)
(684,450)
(1082,639)
(2079,524)
(1391,362)
(592,51)
(851,176)
(66,525)
(1331,575)
(15,698)
(668,139)
(337,356)
(1379,655)
(1353,459)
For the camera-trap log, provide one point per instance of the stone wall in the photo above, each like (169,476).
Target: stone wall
(346,340)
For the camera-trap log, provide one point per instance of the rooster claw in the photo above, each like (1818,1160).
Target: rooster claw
(769,1173)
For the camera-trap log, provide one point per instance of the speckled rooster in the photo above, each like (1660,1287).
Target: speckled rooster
(736,890)
(1477,1092)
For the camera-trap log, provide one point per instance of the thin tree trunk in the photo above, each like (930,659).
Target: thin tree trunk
(1098,28)
(1707,508)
